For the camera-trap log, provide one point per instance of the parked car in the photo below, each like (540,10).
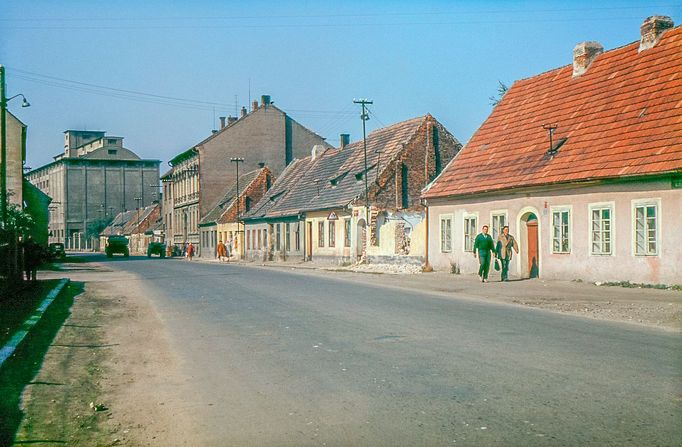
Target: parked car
(156,248)
(117,244)
(56,250)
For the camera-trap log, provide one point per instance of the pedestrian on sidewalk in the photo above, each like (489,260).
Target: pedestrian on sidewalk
(483,248)
(229,248)
(505,243)
(221,251)
(32,258)
(190,251)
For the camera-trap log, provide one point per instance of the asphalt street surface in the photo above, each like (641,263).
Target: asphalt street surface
(275,357)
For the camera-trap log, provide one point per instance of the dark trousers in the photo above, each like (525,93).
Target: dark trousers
(505,269)
(484,260)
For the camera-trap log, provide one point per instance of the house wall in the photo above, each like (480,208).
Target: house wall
(339,253)
(208,240)
(229,232)
(579,263)
(264,135)
(15,159)
(399,237)
(258,246)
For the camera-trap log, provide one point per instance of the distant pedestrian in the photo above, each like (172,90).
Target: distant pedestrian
(190,251)
(229,249)
(505,244)
(32,258)
(221,251)
(483,247)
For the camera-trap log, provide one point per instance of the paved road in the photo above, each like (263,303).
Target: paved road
(280,358)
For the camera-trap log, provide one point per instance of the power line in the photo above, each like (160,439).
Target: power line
(337,15)
(325,25)
(152,98)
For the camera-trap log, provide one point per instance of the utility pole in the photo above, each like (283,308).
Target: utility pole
(365,117)
(236,161)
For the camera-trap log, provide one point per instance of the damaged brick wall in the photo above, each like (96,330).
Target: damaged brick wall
(423,158)
(402,240)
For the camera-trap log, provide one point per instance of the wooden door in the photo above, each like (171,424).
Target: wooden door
(533,252)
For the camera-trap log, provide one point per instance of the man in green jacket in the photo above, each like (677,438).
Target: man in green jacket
(483,247)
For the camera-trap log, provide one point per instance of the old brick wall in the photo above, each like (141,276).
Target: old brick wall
(431,147)
(254,191)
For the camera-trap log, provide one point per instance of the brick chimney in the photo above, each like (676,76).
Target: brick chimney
(583,55)
(344,140)
(254,106)
(231,119)
(222,122)
(651,30)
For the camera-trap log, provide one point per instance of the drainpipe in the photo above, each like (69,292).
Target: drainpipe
(427,265)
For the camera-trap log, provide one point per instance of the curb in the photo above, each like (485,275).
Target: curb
(12,345)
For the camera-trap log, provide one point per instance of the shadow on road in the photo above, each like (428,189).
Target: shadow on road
(20,369)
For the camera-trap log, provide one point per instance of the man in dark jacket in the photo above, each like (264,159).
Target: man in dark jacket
(483,247)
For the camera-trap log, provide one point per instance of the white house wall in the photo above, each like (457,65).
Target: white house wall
(622,264)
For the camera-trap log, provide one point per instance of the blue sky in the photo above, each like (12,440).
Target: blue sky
(169,69)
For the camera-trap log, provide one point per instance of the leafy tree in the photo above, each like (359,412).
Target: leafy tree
(501,90)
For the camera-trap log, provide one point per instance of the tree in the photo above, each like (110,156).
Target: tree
(501,90)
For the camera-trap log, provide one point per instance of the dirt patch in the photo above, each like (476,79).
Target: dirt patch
(108,375)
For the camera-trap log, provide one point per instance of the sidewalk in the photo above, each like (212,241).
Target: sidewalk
(645,306)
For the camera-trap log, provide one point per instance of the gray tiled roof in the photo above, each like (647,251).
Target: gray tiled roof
(336,178)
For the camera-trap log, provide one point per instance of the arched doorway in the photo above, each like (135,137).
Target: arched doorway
(361,238)
(529,245)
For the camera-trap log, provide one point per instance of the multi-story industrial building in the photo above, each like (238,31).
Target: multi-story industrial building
(90,182)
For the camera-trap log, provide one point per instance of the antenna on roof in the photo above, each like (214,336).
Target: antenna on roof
(550,128)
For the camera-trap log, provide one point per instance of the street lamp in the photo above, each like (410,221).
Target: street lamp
(236,161)
(3,142)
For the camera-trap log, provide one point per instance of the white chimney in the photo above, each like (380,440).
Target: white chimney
(583,55)
(317,151)
(651,30)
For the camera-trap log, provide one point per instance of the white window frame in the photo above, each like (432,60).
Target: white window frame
(643,203)
(591,207)
(493,215)
(441,219)
(569,229)
(468,216)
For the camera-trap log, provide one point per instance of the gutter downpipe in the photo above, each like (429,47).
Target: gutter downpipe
(427,266)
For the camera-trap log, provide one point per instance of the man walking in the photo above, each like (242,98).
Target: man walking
(505,244)
(483,247)
(221,251)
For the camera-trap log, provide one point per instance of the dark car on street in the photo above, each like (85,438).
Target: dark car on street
(56,250)
(117,244)
(156,248)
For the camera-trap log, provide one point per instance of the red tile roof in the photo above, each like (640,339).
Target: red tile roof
(621,118)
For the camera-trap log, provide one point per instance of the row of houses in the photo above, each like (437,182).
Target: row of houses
(583,163)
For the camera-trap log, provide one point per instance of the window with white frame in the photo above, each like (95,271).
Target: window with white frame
(445,234)
(601,229)
(470,225)
(561,241)
(498,221)
(646,229)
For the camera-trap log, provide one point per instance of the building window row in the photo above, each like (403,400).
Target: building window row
(645,228)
